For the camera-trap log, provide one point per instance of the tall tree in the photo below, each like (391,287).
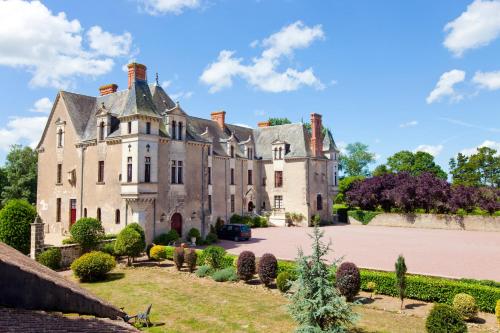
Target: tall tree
(3,182)
(381,170)
(401,278)
(415,163)
(479,169)
(21,174)
(279,121)
(356,160)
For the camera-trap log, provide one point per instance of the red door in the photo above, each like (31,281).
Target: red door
(72,212)
(176,223)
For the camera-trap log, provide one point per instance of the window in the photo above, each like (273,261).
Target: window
(129,125)
(232,203)
(129,169)
(173,175)
(278,179)
(59,173)
(148,128)
(100,172)
(101,131)
(264,181)
(209,150)
(58,210)
(174,129)
(280,155)
(60,138)
(232,151)
(263,205)
(209,176)
(99,214)
(278,202)
(250,177)
(335,181)
(319,202)
(232,176)
(210,204)
(180,179)
(250,153)
(275,153)
(85,212)
(117,216)
(147,170)
(180,131)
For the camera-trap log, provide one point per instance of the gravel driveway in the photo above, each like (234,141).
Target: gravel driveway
(449,253)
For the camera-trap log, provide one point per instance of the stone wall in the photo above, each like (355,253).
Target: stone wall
(71,252)
(435,221)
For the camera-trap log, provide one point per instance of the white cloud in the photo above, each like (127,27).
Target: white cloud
(158,7)
(108,44)
(487,143)
(181,95)
(51,46)
(445,86)
(263,72)
(487,80)
(22,130)
(43,105)
(409,124)
(433,150)
(474,28)
(166,84)
(254,44)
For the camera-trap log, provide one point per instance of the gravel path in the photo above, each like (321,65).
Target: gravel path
(448,253)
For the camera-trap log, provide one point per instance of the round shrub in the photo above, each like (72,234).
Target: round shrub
(87,232)
(93,266)
(211,238)
(158,252)
(444,318)
(50,258)
(203,271)
(497,312)
(179,257)
(226,274)
(246,265)
(190,257)
(348,280)
(129,243)
(466,305)
(284,281)
(213,256)
(15,220)
(148,250)
(268,268)
(137,227)
(167,239)
(108,247)
(193,232)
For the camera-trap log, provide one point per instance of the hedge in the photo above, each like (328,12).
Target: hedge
(363,216)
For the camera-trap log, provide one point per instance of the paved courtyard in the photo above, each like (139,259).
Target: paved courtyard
(450,253)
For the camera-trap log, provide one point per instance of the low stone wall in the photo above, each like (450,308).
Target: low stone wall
(71,252)
(435,221)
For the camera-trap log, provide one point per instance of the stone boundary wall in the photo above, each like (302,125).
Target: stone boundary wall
(71,252)
(435,221)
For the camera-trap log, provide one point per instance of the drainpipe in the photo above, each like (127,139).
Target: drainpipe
(154,218)
(126,213)
(203,231)
(225,185)
(81,181)
(327,195)
(242,179)
(308,189)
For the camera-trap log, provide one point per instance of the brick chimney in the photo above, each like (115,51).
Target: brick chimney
(317,135)
(264,124)
(220,118)
(108,89)
(136,72)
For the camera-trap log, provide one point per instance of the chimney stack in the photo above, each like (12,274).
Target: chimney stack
(108,89)
(317,135)
(264,124)
(220,118)
(136,72)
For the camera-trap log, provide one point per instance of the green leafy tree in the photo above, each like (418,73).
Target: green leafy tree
(356,160)
(344,185)
(479,169)
(279,121)
(3,183)
(20,173)
(401,278)
(381,170)
(317,305)
(415,163)
(130,243)
(15,220)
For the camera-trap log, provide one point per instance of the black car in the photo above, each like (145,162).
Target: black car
(235,232)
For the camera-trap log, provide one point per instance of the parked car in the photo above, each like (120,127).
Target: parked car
(235,232)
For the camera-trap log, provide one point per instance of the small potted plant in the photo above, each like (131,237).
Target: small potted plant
(193,235)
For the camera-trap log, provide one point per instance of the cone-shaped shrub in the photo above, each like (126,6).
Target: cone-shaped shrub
(268,268)
(190,257)
(348,280)
(246,265)
(179,257)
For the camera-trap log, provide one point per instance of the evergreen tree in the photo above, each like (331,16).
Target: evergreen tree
(479,169)
(317,305)
(401,278)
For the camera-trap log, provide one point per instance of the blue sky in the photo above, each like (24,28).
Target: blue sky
(392,74)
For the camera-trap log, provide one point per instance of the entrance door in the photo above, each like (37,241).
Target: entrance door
(72,212)
(251,206)
(176,223)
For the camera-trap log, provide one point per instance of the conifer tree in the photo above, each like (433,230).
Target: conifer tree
(401,278)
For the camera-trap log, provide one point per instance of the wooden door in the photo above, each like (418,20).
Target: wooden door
(72,212)
(176,223)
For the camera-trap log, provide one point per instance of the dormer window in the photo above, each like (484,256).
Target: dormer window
(180,131)
(129,125)
(174,129)
(101,130)
(250,153)
(280,155)
(148,128)
(60,135)
(232,151)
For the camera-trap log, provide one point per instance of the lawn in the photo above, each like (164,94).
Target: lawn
(183,302)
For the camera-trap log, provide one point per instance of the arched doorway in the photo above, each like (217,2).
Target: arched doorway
(176,223)
(251,207)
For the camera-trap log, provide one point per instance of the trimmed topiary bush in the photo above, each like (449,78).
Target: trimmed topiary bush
(93,266)
(130,242)
(466,305)
(372,288)
(348,280)
(213,256)
(226,274)
(284,281)
(137,227)
(167,239)
(179,257)
(87,232)
(50,258)
(268,268)
(444,318)
(246,265)
(193,232)
(203,271)
(158,252)
(190,256)
(15,220)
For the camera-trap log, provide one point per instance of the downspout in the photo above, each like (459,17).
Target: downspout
(202,192)
(154,218)
(308,189)
(225,185)
(126,213)
(242,179)
(81,180)
(327,194)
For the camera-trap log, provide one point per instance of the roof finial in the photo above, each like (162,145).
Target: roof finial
(156,79)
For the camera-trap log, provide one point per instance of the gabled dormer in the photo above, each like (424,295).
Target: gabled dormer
(279,149)
(231,146)
(103,117)
(248,147)
(176,122)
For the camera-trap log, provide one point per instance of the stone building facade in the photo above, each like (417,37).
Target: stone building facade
(136,156)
